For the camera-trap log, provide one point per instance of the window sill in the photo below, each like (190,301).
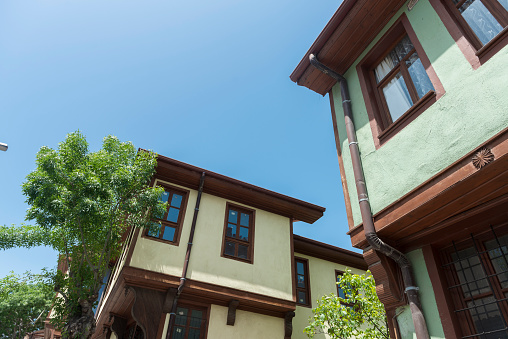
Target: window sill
(146,236)
(247,261)
(493,46)
(420,106)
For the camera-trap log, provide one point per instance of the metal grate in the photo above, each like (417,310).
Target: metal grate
(477,277)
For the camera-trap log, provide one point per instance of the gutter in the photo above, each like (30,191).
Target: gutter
(172,314)
(366,213)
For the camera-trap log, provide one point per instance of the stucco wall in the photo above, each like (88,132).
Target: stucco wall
(322,282)
(472,111)
(270,273)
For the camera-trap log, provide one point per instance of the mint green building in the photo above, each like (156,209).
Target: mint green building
(428,97)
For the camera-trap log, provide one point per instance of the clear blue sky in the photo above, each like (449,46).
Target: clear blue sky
(203,82)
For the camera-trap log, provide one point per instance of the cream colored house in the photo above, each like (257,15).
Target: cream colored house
(222,262)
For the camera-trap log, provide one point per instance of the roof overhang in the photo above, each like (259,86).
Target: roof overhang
(348,33)
(228,188)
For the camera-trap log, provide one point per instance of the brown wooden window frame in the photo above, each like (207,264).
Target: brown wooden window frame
(467,41)
(191,306)
(236,239)
(459,308)
(383,129)
(305,289)
(163,222)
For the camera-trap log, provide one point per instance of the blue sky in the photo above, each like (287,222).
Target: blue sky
(202,82)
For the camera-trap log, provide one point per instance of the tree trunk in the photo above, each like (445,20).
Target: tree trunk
(81,326)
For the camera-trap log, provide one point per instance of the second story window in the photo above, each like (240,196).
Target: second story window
(401,80)
(302,282)
(340,291)
(238,233)
(167,227)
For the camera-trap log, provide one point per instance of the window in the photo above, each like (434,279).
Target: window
(340,291)
(238,240)
(397,81)
(134,332)
(168,226)
(477,274)
(302,282)
(190,323)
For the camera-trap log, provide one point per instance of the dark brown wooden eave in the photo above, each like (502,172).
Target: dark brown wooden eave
(328,252)
(225,187)
(348,33)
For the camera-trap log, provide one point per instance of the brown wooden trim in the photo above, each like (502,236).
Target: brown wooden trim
(250,243)
(291,240)
(380,122)
(180,173)
(438,187)
(449,323)
(307,289)
(328,252)
(345,190)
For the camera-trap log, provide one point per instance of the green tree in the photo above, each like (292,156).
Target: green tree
(24,303)
(359,314)
(82,203)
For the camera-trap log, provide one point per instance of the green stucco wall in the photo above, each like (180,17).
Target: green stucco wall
(322,282)
(473,109)
(428,301)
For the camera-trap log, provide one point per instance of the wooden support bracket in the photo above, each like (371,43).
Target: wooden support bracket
(288,324)
(118,326)
(233,304)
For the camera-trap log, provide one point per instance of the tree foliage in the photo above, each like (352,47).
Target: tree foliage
(359,314)
(24,303)
(82,203)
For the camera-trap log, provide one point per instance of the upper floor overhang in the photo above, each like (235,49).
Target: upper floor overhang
(348,33)
(225,187)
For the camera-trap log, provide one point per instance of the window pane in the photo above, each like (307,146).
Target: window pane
(470,273)
(480,20)
(397,97)
(244,219)
(243,251)
(176,201)
(302,298)
(418,75)
(498,254)
(244,233)
(385,66)
(164,197)
(233,217)
(181,316)
(229,248)
(403,48)
(169,233)
(231,231)
(301,281)
(193,333)
(154,230)
(178,333)
(173,214)
(340,292)
(300,269)
(196,317)
(487,317)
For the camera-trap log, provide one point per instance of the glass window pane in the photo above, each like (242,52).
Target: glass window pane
(169,233)
(154,230)
(498,254)
(300,269)
(231,231)
(302,298)
(470,273)
(178,333)
(176,201)
(193,333)
(301,281)
(403,47)
(196,317)
(397,97)
(173,214)
(233,217)
(164,197)
(341,293)
(181,316)
(385,66)
(229,248)
(244,219)
(478,17)
(487,317)
(419,75)
(243,251)
(244,233)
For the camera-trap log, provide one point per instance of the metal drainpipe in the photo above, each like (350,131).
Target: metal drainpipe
(363,200)
(179,290)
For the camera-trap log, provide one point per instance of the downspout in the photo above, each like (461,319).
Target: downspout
(363,200)
(179,290)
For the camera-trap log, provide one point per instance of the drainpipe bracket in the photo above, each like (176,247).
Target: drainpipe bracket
(411,288)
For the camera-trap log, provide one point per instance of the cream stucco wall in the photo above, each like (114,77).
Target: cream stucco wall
(270,273)
(322,282)
(247,325)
